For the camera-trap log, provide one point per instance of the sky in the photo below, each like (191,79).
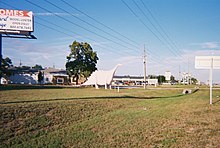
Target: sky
(172,32)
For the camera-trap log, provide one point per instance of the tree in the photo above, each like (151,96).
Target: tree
(161,79)
(152,76)
(5,70)
(81,61)
(172,78)
(37,67)
(194,80)
(40,77)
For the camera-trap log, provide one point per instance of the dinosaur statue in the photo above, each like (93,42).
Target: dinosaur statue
(101,77)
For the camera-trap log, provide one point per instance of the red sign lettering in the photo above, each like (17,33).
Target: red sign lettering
(19,13)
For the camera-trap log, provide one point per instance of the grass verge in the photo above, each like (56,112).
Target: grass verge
(104,118)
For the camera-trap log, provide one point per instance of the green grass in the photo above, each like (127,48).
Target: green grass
(67,117)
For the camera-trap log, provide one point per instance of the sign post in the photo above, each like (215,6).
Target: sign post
(0,58)
(208,62)
(210,80)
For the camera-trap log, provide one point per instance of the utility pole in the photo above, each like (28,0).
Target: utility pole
(145,68)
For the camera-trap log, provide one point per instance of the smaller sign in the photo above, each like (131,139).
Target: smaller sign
(207,62)
(167,75)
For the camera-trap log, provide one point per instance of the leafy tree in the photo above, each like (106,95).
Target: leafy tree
(38,67)
(152,76)
(23,68)
(172,78)
(5,70)
(161,79)
(194,80)
(81,61)
(40,77)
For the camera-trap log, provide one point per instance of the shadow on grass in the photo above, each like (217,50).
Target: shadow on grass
(101,97)
(26,86)
(216,102)
(88,98)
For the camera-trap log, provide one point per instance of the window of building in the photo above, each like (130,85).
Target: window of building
(60,80)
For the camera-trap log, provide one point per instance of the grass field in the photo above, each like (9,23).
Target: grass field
(75,117)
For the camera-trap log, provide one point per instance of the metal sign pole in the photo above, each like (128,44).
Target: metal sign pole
(210,81)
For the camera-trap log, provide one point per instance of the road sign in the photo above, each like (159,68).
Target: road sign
(205,62)
(208,62)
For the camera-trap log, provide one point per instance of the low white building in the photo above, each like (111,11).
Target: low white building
(50,76)
(186,77)
(24,78)
(133,80)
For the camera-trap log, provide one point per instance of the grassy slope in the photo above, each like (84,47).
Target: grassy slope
(88,117)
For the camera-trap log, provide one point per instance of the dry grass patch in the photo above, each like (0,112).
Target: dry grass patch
(105,118)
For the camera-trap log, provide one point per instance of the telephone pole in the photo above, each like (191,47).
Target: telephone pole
(145,67)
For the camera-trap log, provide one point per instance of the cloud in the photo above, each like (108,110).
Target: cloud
(129,60)
(210,45)
(54,14)
(31,53)
(101,44)
(207,45)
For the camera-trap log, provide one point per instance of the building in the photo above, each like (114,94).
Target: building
(30,76)
(186,78)
(55,76)
(133,80)
(24,76)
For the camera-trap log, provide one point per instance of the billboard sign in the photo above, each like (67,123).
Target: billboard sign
(207,62)
(16,21)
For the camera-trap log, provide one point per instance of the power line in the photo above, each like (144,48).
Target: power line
(90,24)
(147,28)
(166,40)
(99,22)
(70,30)
(66,29)
(110,48)
(78,25)
(142,21)
(161,28)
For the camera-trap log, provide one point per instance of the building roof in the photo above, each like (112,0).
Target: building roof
(54,71)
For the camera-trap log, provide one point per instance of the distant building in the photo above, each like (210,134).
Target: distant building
(186,77)
(133,80)
(55,76)
(51,76)
(24,76)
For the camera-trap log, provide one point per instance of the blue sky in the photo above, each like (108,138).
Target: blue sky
(182,30)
